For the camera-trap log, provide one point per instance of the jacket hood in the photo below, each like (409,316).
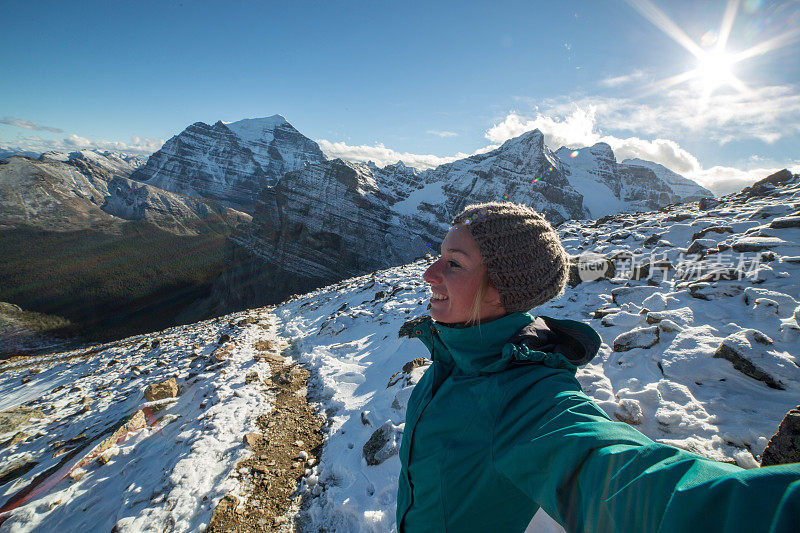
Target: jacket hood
(515,339)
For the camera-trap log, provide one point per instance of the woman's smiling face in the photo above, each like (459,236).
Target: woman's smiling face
(455,279)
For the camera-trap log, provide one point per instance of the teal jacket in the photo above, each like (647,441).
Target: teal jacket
(496,429)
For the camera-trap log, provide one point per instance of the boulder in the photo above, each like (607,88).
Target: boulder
(643,337)
(785,222)
(16,417)
(756,244)
(384,443)
(161,391)
(746,351)
(784,446)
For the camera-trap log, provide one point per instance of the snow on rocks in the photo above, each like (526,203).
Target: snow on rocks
(752,354)
(384,443)
(160,464)
(643,337)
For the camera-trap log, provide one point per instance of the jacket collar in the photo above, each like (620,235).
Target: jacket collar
(517,338)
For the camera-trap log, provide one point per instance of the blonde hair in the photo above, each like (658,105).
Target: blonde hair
(477,302)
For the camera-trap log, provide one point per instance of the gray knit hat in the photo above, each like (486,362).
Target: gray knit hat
(522,252)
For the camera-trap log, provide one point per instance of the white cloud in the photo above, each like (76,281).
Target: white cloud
(616,81)
(765,113)
(27,124)
(579,129)
(382,156)
(724,180)
(141,146)
(442,133)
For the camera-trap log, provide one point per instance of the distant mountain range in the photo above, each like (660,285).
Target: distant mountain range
(82,241)
(314,221)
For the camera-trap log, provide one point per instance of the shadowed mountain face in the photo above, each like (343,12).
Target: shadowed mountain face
(336,219)
(82,241)
(229,163)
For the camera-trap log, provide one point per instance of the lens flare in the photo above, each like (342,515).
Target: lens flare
(574,154)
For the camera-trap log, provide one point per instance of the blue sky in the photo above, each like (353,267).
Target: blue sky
(422,81)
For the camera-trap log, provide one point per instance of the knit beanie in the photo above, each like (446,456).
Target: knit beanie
(522,252)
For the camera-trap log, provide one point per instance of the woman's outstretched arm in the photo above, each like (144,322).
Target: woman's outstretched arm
(593,474)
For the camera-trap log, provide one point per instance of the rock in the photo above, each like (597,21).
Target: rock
(14,418)
(224,338)
(621,319)
(18,437)
(253,440)
(270,358)
(366,417)
(635,294)
(408,327)
(643,337)
(251,377)
(704,204)
(745,351)
(384,443)
(629,411)
(756,244)
(784,446)
(160,391)
(715,229)
(786,303)
(414,363)
(785,222)
(603,311)
(379,295)
(700,246)
(18,466)
(589,267)
(221,354)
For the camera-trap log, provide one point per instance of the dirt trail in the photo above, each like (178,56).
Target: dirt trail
(290,440)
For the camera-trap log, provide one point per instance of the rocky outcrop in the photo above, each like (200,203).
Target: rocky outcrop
(83,190)
(634,185)
(784,446)
(314,227)
(230,163)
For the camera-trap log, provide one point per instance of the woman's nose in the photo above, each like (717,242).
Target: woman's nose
(433,274)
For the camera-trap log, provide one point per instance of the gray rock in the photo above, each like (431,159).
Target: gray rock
(384,443)
(745,351)
(756,244)
(785,222)
(643,337)
(784,446)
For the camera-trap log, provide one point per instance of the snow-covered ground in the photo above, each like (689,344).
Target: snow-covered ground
(656,370)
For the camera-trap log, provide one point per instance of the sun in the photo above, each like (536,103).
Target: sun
(715,69)
(715,65)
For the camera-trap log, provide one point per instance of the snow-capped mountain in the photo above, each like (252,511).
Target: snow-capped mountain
(609,187)
(162,431)
(686,189)
(229,163)
(334,219)
(88,190)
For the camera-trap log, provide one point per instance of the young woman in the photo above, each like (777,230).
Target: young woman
(498,426)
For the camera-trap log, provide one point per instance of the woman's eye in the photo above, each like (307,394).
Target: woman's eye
(453,264)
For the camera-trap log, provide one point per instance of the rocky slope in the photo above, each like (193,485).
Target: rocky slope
(86,189)
(82,241)
(229,163)
(335,219)
(698,307)
(610,187)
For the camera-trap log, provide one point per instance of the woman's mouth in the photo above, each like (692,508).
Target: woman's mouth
(438,296)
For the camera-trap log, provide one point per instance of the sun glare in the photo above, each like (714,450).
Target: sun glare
(715,68)
(714,64)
